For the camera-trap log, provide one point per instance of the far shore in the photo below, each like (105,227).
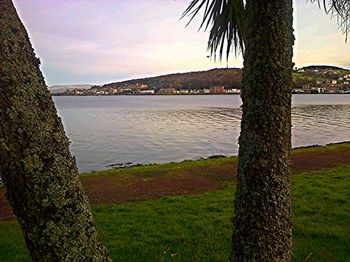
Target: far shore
(197,94)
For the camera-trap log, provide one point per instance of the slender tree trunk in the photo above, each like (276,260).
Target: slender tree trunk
(263,218)
(36,166)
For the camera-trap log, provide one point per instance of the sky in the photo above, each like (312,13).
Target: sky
(102,41)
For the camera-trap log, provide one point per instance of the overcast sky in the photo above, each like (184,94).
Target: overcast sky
(99,41)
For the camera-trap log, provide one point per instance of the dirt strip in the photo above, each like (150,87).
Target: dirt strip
(117,189)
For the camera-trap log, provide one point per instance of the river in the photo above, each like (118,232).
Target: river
(107,130)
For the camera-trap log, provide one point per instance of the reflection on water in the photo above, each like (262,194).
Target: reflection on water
(156,129)
(320,124)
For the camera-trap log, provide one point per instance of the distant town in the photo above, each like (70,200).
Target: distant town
(145,90)
(321,80)
(307,80)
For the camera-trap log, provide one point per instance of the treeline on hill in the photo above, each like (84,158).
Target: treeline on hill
(323,67)
(228,77)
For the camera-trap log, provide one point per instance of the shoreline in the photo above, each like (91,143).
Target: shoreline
(123,166)
(131,164)
(189,177)
(198,94)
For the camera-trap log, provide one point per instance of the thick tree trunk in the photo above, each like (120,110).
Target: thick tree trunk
(263,218)
(36,166)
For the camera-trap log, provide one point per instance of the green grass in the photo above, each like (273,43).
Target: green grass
(198,228)
(321,204)
(191,228)
(204,167)
(297,77)
(12,246)
(327,148)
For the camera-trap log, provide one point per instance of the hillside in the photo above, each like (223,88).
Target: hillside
(228,77)
(56,89)
(323,67)
(318,74)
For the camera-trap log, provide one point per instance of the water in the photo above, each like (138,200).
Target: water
(158,129)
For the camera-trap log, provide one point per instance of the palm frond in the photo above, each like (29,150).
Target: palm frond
(340,9)
(226,20)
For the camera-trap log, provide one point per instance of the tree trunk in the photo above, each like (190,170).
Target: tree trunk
(263,218)
(36,166)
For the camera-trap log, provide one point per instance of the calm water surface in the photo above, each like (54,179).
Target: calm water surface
(157,129)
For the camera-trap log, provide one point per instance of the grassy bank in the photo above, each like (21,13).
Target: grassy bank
(213,167)
(198,227)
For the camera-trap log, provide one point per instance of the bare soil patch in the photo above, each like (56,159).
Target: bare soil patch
(111,189)
(313,161)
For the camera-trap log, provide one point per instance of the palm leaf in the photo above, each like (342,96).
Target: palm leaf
(340,9)
(226,20)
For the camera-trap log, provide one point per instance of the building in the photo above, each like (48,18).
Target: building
(182,91)
(306,88)
(233,91)
(217,89)
(147,92)
(167,91)
(298,91)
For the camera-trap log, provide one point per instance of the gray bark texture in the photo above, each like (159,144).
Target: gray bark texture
(36,166)
(263,215)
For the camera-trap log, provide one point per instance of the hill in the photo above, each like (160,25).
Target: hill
(56,89)
(228,77)
(323,68)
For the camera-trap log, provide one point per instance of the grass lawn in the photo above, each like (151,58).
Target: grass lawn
(198,228)
(318,149)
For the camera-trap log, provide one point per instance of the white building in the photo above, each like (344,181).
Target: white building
(147,92)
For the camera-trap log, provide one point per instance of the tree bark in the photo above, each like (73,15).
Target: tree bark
(263,217)
(36,166)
